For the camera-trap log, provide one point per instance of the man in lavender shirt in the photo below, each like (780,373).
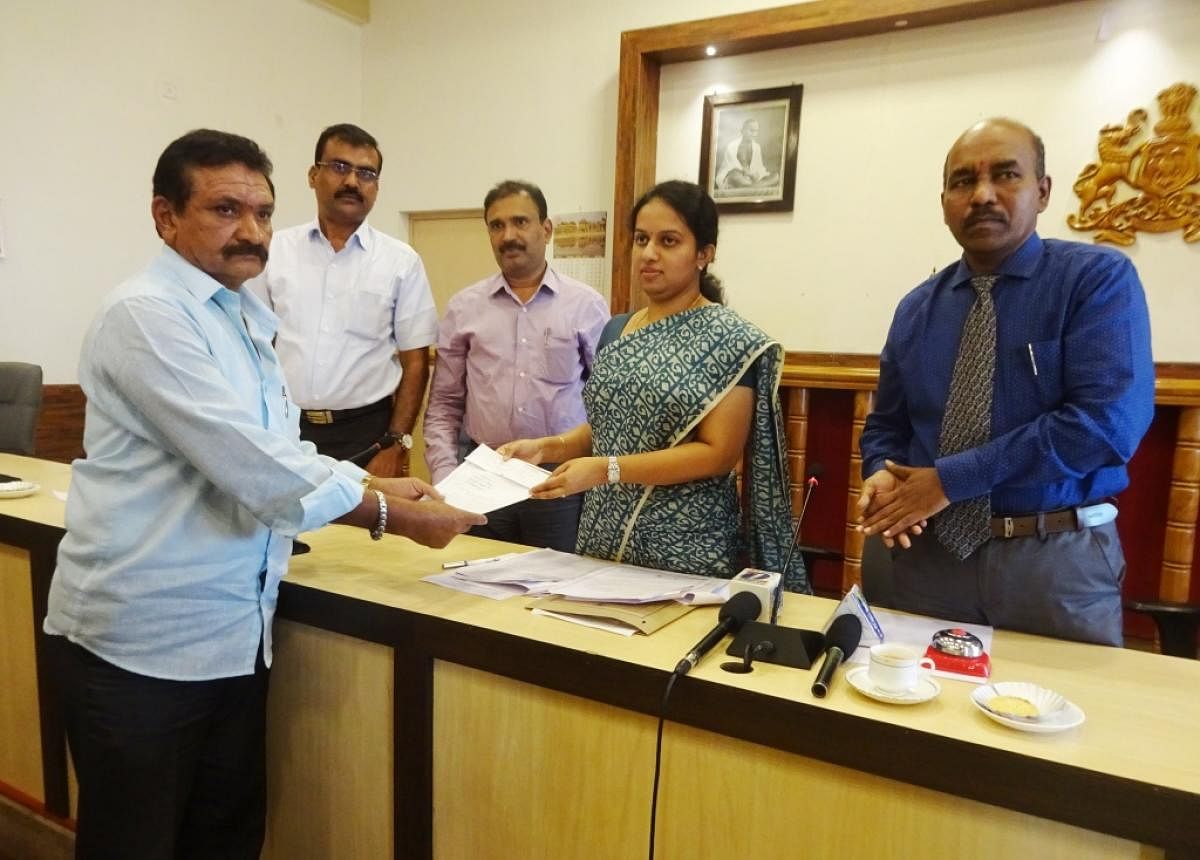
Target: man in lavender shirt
(513,353)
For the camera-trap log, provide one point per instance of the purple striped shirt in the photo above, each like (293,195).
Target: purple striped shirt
(507,370)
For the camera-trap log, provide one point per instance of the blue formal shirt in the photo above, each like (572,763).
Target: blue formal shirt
(180,519)
(1074,384)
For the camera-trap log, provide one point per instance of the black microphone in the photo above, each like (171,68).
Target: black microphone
(840,641)
(737,610)
(811,484)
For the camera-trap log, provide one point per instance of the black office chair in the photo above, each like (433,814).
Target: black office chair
(20,405)
(1177,625)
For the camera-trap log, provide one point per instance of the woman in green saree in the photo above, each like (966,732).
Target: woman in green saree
(679,392)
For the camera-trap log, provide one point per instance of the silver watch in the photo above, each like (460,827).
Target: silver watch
(614,471)
(404,440)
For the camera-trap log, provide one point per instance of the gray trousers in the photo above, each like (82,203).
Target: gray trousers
(1065,585)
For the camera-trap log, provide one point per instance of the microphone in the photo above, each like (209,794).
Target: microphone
(840,641)
(736,611)
(810,485)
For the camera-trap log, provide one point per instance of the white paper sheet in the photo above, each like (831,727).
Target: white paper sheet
(489,590)
(486,481)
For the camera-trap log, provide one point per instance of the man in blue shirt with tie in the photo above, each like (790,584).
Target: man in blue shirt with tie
(180,523)
(1013,388)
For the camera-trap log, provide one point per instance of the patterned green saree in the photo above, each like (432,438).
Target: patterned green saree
(648,391)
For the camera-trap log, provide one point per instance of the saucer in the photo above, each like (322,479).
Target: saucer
(19,489)
(1067,715)
(926,689)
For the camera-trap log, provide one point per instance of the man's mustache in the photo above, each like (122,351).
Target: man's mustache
(240,249)
(350,192)
(985,215)
(512,245)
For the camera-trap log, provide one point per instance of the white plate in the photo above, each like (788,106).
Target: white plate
(23,489)
(926,689)
(1067,715)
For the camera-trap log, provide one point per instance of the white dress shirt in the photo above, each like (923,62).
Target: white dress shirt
(342,315)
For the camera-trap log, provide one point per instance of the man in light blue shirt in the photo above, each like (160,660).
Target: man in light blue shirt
(180,523)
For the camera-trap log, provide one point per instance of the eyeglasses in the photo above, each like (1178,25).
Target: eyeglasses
(341,168)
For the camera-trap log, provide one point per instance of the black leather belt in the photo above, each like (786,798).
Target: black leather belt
(333,416)
(1053,522)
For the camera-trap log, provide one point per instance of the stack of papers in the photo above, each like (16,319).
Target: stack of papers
(577,577)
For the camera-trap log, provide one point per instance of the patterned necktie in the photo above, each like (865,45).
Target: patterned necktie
(967,422)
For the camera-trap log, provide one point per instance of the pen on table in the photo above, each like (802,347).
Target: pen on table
(1032,360)
(451,565)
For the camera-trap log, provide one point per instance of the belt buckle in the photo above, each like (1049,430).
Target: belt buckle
(318,416)
(1008,527)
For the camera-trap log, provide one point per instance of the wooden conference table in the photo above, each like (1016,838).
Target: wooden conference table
(409,720)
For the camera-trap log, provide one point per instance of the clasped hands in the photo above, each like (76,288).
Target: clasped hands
(573,476)
(897,502)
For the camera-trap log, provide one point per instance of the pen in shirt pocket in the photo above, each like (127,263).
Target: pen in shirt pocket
(1032,360)
(283,390)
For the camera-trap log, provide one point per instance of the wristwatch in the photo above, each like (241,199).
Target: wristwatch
(404,440)
(614,471)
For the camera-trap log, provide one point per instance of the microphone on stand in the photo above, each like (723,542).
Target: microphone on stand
(810,486)
(840,641)
(736,611)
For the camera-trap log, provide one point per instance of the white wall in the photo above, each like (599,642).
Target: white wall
(92,92)
(464,94)
(877,118)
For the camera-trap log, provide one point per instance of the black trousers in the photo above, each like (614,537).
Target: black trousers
(343,439)
(552,523)
(167,769)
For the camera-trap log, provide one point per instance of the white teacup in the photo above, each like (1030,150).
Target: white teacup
(896,668)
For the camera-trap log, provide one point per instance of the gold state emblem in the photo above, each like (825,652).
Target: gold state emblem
(1161,168)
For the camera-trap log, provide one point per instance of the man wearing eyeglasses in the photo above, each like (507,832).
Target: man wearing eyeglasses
(356,315)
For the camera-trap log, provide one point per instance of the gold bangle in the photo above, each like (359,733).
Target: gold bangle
(562,445)
(366,480)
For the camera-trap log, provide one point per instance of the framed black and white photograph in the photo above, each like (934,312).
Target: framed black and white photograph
(748,149)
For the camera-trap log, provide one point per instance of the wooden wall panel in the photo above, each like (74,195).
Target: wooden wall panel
(1183,505)
(830,412)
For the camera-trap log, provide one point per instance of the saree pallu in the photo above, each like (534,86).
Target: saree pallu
(648,391)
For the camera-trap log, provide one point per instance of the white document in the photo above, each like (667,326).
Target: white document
(486,481)
(489,590)
(536,572)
